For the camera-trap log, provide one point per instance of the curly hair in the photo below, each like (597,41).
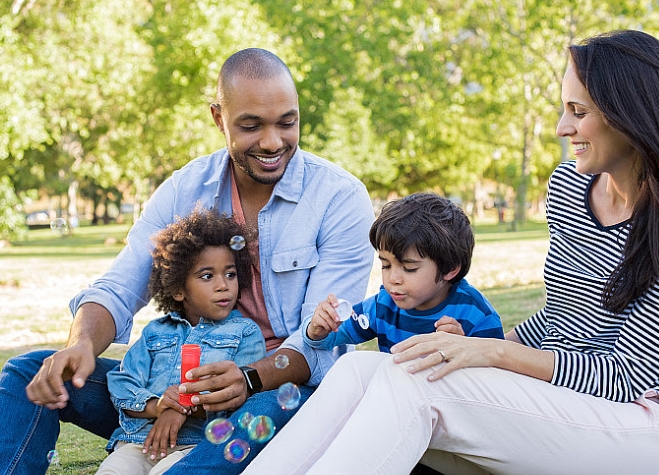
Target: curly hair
(178,247)
(435,226)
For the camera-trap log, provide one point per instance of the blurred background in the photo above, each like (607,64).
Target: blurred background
(101,100)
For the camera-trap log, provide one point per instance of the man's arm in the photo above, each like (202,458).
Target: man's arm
(91,333)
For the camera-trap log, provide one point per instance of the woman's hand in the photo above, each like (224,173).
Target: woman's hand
(454,351)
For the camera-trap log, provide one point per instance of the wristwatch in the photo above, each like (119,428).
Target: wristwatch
(252,378)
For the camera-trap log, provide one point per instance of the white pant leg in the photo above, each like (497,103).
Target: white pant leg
(297,446)
(506,423)
(175,454)
(126,459)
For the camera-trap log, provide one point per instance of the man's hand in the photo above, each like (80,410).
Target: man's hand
(325,319)
(47,387)
(91,333)
(225,383)
(163,433)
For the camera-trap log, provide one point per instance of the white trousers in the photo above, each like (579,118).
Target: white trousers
(369,416)
(128,459)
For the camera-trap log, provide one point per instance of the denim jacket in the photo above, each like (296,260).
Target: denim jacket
(313,239)
(153,363)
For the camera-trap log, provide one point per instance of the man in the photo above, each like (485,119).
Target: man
(309,220)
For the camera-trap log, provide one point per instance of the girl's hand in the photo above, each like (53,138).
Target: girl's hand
(325,319)
(163,434)
(445,352)
(169,400)
(449,325)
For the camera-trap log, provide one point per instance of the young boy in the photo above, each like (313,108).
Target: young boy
(425,243)
(198,272)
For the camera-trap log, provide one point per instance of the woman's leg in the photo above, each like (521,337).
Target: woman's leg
(31,431)
(305,437)
(504,422)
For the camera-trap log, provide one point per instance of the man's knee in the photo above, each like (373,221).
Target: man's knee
(25,366)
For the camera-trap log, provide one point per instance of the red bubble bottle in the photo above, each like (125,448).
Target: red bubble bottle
(190,358)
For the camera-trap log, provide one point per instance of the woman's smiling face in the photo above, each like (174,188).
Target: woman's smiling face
(598,147)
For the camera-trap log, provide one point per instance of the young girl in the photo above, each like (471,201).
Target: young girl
(196,278)
(425,245)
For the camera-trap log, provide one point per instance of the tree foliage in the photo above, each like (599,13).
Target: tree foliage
(407,95)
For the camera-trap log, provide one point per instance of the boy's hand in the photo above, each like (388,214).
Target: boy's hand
(169,400)
(449,325)
(163,433)
(325,319)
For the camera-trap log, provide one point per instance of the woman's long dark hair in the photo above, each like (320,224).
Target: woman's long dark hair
(620,71)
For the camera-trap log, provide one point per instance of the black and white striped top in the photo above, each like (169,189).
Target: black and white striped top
(615,356)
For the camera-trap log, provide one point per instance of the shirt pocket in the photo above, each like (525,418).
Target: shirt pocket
(219,348)
(162,348)
(303,259)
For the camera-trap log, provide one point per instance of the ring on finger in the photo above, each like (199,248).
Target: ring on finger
(442,354)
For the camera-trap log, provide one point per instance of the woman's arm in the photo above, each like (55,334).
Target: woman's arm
(463,352)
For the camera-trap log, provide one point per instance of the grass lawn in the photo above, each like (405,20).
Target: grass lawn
(41,274)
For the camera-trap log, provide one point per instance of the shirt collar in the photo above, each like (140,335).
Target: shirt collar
(289,188)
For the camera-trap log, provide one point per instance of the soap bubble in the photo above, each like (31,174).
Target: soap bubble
(236,451)
(59,225)
(261,429)
(245,419)
(281,361)
(288,396)
(237,243)
(363,321)
(53,457)
(219,430)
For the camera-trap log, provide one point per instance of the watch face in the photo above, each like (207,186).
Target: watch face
(252,378)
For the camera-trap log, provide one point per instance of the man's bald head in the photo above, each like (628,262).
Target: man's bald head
(250,63)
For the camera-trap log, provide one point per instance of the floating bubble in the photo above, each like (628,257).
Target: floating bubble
(281,361)
(59,225)
(244,420)
(237,243)
(219,430)
(288,396)
(53,457)
(236,451)
(261,429)
(363,321)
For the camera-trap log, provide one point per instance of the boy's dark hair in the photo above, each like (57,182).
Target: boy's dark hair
(178,247)
(436,227)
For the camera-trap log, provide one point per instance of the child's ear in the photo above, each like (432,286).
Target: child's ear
(178,295)
(452,273)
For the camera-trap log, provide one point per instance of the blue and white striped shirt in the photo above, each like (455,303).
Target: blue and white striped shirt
(615,356)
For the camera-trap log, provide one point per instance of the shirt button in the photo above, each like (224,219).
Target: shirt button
(294,263)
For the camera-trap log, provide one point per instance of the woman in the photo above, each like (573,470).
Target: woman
(572,390)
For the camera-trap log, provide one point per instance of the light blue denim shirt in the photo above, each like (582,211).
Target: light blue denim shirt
(153,363)
(313,239)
